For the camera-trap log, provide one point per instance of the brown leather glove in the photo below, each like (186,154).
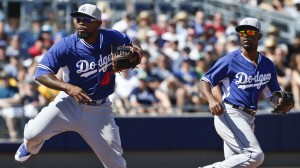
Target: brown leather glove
(125,57)
(286,104)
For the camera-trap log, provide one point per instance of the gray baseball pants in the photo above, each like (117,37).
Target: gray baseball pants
(95,124)
(241,148)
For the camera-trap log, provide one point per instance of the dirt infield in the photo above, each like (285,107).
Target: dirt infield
(140,159)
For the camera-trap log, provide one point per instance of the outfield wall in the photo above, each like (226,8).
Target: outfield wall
(164,140)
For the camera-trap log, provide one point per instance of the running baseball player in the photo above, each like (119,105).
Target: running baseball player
(243,75)
(82,104)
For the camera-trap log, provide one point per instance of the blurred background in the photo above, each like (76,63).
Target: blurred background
(162,118)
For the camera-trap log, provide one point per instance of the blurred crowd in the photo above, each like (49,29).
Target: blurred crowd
(177,51)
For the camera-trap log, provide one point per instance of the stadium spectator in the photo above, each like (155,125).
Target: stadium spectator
(5,87)
(12,67)
(144,70)
(3,58)
(199,22)
(46,35)
(220,45)
(126,24)
(31,35)
(160,26)
(169,35)
(21,78)
(168,84)
(217,23)
(106,21)
(270,45)
(152,45)
(191,36)
(232,43)
(184,54)
(295,82)
(37,48)
(293,47)
(210,55)
(230,28)
(293,9)
(273,5)
(162,69)
(198,49)
(165,105)
(181,20)
(13,48)
(273,33)
(200,67)
(171,49)
(32,100)
(16,102)
(143,99)
(144,21)
(48,93)
(7,92)
(3,32)
(126,81)
(188,94)
(283,72)
(209,35)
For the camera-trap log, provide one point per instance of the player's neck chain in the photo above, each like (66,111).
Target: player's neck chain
(254,62)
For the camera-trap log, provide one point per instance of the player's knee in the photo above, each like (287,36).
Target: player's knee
(258,158)
(31,135)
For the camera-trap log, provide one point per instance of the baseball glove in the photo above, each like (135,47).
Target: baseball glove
(286,104)
(125,57)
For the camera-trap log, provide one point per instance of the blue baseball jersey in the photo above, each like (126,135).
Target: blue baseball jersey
(84,65)
(242,81)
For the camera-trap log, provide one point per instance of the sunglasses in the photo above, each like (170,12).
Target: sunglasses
(248,32)
(85,20)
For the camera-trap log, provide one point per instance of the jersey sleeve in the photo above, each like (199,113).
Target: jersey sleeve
(52,60)
(218,72)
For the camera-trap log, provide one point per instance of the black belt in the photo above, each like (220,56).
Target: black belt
(95,102)
(249,111)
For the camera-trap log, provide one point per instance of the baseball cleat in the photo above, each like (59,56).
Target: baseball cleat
(22,154)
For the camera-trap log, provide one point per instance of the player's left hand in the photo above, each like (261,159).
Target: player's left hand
(125,57)
(285,102)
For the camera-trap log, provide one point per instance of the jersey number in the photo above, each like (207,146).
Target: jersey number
(106,79)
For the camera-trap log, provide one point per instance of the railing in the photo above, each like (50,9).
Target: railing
(188,110)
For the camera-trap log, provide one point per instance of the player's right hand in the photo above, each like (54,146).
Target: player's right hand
(78,94)
(215,103)
(216,107)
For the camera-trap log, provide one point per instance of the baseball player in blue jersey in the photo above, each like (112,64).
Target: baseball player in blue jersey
(243,76)
(82,104)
